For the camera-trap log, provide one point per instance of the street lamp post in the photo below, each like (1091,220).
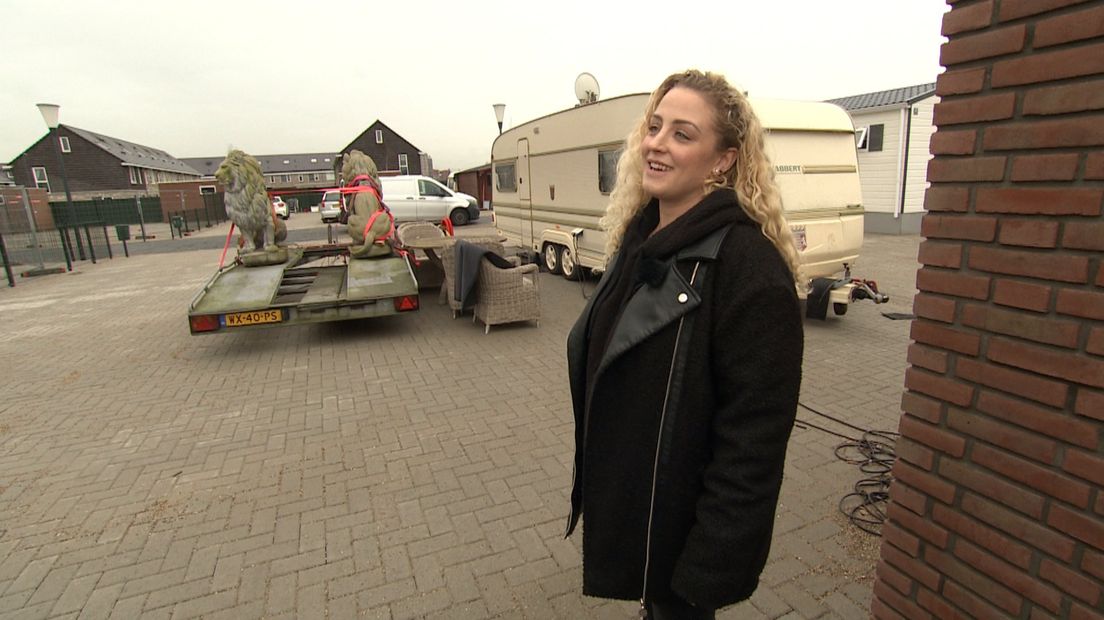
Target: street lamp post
(500,111)
(49,113)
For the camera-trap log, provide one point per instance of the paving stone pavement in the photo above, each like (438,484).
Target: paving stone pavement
(403,467)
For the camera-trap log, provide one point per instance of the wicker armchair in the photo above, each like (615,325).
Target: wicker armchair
(507,295)
(410,232)
(448,263)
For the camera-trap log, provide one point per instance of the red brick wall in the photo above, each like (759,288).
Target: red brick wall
(997,508)
(184,195)
(476,183)
(13,214)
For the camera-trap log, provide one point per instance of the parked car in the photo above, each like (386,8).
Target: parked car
(331,206)
(281,208)
(413,198)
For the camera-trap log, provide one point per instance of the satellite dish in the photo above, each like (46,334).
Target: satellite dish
(586,88)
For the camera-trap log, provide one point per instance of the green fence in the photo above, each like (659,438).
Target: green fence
(108,211)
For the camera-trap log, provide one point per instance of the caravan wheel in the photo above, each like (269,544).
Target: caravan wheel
(552,258)
(568,267)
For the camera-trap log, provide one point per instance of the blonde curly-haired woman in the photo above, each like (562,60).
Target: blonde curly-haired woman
(685,365)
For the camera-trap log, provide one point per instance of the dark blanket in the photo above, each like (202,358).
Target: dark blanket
(468,256)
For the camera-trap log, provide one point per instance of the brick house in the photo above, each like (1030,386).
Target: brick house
(997,504)
(96,165)
(391,152)
(476,182)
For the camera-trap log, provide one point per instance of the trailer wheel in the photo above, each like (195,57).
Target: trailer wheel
(840,309)
(460,217)
(551,257)
(568,267)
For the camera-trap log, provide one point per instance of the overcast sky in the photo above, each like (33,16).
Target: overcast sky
(195,78)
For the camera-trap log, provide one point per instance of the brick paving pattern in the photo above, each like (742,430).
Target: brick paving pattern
(404,467)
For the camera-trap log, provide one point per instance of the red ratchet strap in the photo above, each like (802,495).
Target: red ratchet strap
(222,259)
(390,228)
(365,183)
(355,187)
(407,254)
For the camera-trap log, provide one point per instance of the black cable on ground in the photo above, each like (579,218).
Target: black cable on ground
(874,453)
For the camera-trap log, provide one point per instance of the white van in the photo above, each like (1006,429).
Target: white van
(413,198)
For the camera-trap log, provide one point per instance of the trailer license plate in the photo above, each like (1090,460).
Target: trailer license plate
(259,317)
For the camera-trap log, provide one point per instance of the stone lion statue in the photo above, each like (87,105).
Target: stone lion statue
(370,223)
(247,203)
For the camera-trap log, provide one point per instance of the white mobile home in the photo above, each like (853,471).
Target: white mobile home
(553,176)
(892,132)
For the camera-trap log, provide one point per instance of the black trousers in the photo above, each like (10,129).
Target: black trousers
(678,610)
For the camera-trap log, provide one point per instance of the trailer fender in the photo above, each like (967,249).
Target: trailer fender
(558,237)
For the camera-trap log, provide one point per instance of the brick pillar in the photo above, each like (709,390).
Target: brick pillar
(997,508)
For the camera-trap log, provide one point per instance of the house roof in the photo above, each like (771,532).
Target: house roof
(895,96)
(486,166)
(302,162)
(377,125)
(132,154)
(271,164)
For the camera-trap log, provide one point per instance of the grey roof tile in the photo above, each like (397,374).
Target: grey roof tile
(134,154)
(271,164)
(908,94)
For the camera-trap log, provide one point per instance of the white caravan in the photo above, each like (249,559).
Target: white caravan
(553,177)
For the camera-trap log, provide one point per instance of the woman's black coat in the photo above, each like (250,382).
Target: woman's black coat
(726,409)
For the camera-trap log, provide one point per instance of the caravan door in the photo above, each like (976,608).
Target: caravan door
(524,193)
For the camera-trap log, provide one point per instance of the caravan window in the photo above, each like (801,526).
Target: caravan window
(607,169)
(506,177)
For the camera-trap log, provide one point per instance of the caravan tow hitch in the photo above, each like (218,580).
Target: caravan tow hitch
(821,293)
(867,289)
